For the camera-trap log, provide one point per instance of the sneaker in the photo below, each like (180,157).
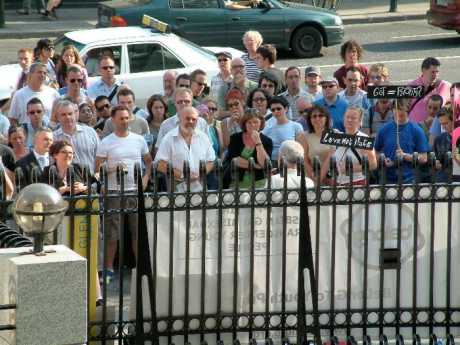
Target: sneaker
(23,11)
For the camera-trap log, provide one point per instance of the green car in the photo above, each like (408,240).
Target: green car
(302,28)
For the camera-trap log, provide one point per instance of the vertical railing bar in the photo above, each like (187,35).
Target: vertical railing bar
(121,246)
(104,202)
(448,158)
(333,245)
(283,251)
(236,179)
(415,259)
(432,238)
(219,248)
(251,249)
(204,200)
(187,251)
(268,249)
(171,195)
(382,239)
(366,243)
(349,168)
(399,226)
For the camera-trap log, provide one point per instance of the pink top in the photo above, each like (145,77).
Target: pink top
(418,112)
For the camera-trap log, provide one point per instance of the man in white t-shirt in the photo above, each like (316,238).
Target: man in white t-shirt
(121,148)
(35,88)
(186,143)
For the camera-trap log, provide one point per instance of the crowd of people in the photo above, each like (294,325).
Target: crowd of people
(251,113)
(243,114)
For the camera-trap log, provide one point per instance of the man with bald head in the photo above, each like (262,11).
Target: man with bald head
(186,143)
(169,84)
(238,70)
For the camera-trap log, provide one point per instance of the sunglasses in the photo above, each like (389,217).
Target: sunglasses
(102,107)
(33,112)
(74,80)
(184,85)
(234,104)
(183,101)
(317,116)
(211,109)
(222,60)
(49,48)
(328,86)
(107,67)
(276,109)
(199,83)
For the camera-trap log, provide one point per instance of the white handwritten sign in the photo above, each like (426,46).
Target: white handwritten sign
(341,139)
(395,91)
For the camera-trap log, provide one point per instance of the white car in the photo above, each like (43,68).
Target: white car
(141,55)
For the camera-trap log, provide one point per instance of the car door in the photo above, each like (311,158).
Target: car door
(200,21)
(147,64)
(267,19)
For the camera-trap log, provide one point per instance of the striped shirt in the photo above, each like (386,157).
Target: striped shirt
(85,142)
(252,71)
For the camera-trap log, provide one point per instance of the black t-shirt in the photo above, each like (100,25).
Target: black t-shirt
(7,157)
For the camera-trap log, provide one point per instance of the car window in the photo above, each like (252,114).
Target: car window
(151,57)
(91,58)
(188,4)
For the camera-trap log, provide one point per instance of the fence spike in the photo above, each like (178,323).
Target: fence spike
(252,342)
(367,340)
(399,339)
(351,340)
(416,340)
(334,340)
(269,341)
(285,341)
(433,339)
(450,339)
(383,340)
(235,342)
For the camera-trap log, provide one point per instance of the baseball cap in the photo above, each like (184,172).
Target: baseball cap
(224,53)
(312,70)
(329,79)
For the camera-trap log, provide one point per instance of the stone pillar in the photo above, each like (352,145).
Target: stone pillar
(50,296)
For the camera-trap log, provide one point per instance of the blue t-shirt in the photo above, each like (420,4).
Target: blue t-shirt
(411,139)
(280,133)
(337,110)
(436,128)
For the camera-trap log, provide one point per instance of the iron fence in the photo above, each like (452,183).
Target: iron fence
(276,264)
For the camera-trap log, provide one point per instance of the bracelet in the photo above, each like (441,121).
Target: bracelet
(258,144)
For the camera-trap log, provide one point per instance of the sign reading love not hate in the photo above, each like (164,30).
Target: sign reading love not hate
(353,141)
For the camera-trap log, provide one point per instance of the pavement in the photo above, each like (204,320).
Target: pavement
(71,19)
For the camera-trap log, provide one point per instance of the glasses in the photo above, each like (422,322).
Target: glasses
(317,116)
(199,83)
(328,86)
(276,109)
(49,48)
(238,66)
(234,104)
(74,80)
(259,99)
(184,85)
(70,153)
(211,109)
(353,80)
(102,107)
(183,101)
(33,112)
(107,67)
(222,60)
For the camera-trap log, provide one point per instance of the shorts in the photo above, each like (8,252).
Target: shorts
(113,222)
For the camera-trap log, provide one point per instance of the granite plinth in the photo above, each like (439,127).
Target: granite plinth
(49,293)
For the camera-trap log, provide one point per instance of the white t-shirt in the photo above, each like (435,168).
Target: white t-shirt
(127,151)
(341,154)
(18,109)
(174,149)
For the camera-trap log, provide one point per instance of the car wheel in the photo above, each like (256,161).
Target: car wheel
(307,42)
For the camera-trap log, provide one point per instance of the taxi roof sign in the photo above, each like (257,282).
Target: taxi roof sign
(155,24)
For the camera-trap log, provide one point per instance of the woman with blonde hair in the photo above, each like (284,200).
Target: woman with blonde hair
(70,56)
(252,40)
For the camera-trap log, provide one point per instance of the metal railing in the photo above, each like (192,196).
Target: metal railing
(238,265)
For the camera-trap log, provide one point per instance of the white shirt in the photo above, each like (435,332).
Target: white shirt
(18,109)
(126,151)
(43,160)
(341,154)
(173,122)
(174,149)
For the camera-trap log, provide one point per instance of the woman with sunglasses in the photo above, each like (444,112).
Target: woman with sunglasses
(208,110)
(250,143)
(44,53)
(258,99)
(231,125)
(352,121)
(318,121)
(70,56)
